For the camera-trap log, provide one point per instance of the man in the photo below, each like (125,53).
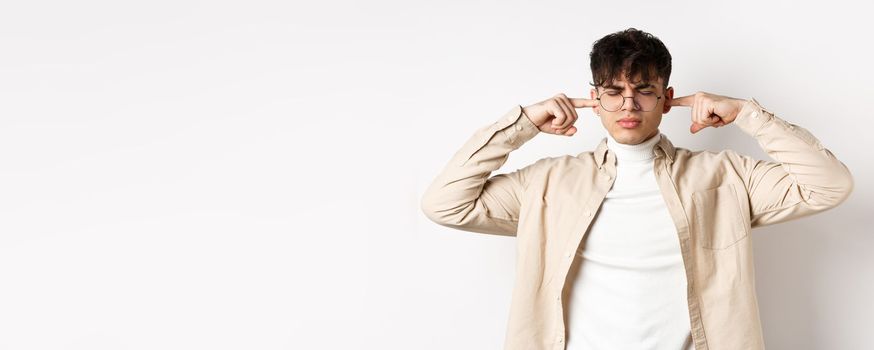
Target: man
(637,244)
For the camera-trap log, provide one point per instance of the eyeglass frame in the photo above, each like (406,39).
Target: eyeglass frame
(658,98)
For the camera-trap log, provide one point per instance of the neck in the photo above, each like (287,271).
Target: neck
(640,152)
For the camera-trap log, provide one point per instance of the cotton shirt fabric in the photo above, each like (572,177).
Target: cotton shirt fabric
(714,200)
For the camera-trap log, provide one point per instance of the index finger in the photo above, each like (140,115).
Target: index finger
(683,101)
(583,102)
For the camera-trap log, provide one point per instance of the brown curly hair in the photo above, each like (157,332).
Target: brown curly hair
(633,51)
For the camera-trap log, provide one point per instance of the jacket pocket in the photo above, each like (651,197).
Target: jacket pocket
(719,219)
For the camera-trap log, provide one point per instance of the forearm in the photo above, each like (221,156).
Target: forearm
(823,179)
(455,197)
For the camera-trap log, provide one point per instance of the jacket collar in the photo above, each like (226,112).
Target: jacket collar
(663,148)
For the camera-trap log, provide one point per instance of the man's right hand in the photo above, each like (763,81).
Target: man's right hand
(557,115)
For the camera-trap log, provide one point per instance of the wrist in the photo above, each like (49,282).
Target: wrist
(739,103)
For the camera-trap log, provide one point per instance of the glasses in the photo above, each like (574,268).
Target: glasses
(613,101)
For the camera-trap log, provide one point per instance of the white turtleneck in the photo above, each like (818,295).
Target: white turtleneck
(626,288)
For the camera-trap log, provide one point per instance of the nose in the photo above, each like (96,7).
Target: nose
(631,105)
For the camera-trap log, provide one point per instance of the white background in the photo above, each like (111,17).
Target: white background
(247,175)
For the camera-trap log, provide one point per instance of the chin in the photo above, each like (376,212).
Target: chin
(623,136)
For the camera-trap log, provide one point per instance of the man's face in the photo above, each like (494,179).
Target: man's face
(647,122)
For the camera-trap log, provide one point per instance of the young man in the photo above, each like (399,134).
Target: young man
(637,244)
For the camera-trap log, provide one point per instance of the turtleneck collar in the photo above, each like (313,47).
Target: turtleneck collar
(636,153)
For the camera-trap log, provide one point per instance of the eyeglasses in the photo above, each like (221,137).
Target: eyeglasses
(613,101)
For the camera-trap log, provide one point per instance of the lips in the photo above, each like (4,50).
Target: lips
(629,123)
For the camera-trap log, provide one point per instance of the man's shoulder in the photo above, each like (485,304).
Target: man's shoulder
(551,161)
(711,158)
(563,161)
(706,153)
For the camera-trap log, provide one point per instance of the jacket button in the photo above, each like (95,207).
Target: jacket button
(560,339)
(518,127)
(755,114)
(588,213)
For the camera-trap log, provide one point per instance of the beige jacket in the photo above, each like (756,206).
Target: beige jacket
(714,198)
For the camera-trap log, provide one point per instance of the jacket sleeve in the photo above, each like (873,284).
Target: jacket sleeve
(464,197)
(805,179)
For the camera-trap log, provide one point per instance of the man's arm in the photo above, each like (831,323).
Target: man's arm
(464,197)
(807,178)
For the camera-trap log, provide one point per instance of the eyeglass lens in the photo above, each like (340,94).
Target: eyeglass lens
(612,101)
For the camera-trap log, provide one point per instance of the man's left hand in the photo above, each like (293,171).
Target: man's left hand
(709,109)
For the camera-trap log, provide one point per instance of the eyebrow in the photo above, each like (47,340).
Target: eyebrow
(638,86)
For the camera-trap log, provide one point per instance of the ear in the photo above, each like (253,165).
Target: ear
(669,95)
